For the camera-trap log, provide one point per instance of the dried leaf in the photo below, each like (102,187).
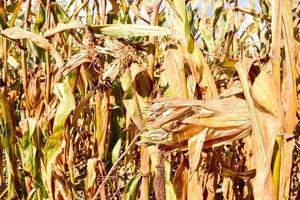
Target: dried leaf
(195,148)
(17,33)
(289,98)
(181,181)
(263,91)
(91,173)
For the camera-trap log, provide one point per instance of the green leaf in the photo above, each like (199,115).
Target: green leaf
(185,19)
(187,28)
(170,192)
(91,173)
(63,27)
(60,15)
(115,30)
(179,6)
(132,101)
(40,18)
(218,11)
(8,135)
(27,148)
(67,103)
(30,158)
(130,192)
(116,151)
(117,124)
(228,67)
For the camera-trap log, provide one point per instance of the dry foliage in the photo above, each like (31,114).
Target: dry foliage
(149,99)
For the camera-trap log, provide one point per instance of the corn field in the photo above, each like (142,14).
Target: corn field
(150,99)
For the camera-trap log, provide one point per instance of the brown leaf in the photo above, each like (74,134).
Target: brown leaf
(181,181)
(195,145)
(17,33)
(264,93)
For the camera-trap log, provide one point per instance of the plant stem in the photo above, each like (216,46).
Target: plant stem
(145,170)
(276,21)
(103,12)
(99,127)
(5,64)
(23,56)
(152,41)
(145,157)
(277,164)
(124,7)
(47,55)
(276,7)
(253,116)
(1,164)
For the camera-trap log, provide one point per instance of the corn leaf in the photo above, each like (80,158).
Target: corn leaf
(131,188)
(114,30)
(67,103)
(19,33)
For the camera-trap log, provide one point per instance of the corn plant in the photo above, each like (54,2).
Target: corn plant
(149,99)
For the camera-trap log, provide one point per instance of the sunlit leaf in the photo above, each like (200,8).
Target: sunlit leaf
(195,148)
(19,33)
(91,173)
(263,91)
(115,30)
(66,105)
(131,30)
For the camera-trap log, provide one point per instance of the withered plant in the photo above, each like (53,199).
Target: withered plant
(149,99)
